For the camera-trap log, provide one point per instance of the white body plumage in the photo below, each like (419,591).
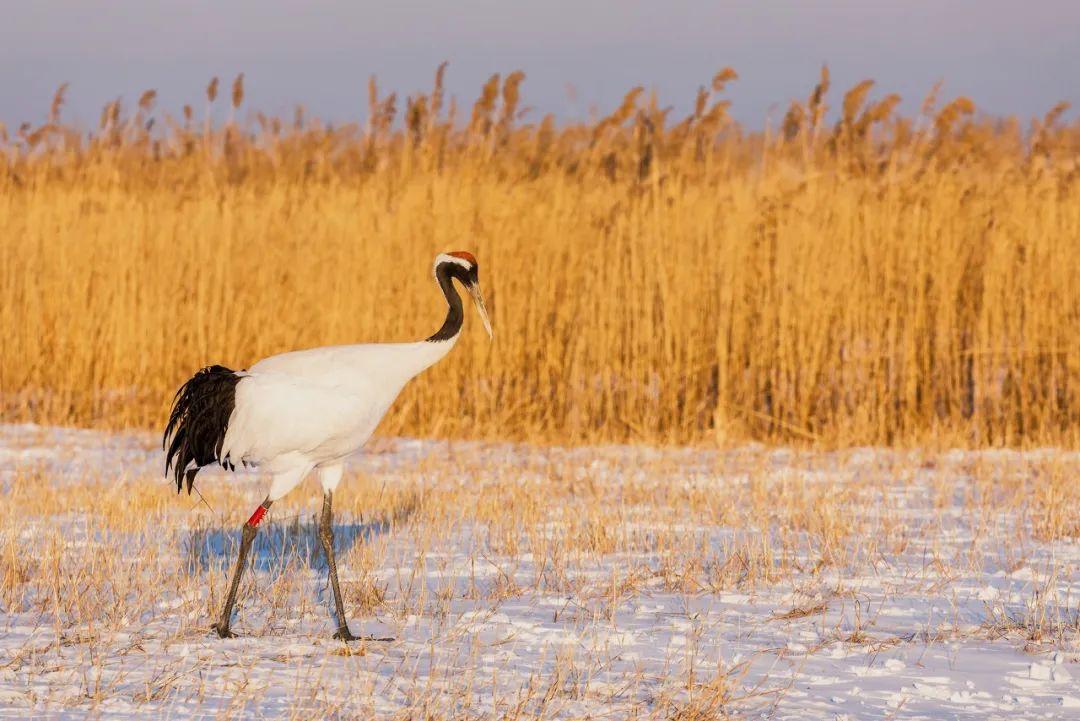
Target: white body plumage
(311,409)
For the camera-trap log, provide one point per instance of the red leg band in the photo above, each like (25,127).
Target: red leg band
(257,516)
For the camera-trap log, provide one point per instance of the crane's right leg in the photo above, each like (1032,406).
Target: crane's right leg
(282,483)
(246,537)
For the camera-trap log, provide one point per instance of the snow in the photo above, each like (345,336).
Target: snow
(938,629)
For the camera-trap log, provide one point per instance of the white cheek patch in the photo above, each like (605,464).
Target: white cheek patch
(447,258)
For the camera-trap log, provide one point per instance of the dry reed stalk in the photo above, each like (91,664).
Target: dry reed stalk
(652,280)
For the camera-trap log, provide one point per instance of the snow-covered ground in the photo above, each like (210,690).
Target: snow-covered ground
(525,582)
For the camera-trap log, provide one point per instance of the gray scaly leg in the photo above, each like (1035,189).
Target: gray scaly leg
(248,535)
(326,535)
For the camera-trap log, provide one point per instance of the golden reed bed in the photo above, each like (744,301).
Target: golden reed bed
(845,278)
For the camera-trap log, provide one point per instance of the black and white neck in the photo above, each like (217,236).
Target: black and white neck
(449,266)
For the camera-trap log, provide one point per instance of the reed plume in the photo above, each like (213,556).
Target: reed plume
(653,277)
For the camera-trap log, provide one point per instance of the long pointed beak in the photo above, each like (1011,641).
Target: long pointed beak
(478,299)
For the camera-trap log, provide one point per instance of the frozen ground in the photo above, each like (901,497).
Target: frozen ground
(520,582)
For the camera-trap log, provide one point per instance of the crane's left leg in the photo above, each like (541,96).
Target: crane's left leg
(329,477)
(326,535)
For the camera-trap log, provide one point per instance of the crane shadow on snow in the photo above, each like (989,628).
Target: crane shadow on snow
(278,545)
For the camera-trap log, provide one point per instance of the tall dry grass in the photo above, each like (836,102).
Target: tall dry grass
(847,277)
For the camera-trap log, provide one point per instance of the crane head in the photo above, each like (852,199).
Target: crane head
(467,271)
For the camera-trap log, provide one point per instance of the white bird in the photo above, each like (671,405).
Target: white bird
(294,413)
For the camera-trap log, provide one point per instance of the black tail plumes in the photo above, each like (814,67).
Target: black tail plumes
(197,423)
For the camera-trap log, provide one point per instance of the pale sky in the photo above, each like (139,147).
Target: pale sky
(1011,56)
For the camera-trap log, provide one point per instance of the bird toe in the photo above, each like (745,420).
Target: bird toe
(223,631)
(344,634)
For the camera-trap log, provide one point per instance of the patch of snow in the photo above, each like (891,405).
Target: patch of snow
(920,647)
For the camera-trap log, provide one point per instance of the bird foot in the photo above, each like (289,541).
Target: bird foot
(223,631)
(344,634)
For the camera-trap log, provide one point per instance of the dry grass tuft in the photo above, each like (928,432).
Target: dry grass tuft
(539,582)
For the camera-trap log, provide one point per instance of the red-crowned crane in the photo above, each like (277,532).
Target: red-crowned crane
(294,413)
